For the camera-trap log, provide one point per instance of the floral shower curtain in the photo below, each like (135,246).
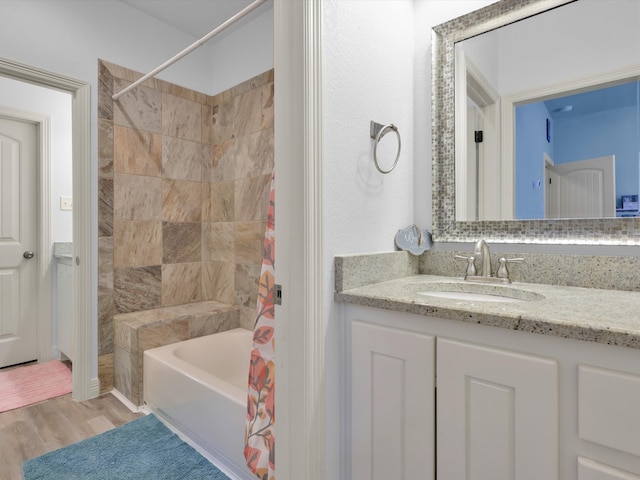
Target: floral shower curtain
(259,449)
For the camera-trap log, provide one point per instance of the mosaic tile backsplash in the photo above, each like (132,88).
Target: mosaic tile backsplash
(183,190)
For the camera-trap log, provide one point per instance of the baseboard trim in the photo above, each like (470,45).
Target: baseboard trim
(128,403)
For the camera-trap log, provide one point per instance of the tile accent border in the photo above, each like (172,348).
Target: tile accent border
(588,271)
(608,231)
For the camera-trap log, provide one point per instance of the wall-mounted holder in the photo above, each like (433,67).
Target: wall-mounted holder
(377,131)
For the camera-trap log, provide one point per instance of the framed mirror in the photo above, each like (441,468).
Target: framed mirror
(533,69)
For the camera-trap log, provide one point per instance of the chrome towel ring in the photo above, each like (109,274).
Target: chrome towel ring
(377,131)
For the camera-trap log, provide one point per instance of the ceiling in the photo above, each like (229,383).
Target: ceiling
(609,98)
(193,17)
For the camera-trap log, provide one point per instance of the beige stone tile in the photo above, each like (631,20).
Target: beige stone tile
(181,283)
(105,266)
(105,92)
(254,154)
(207,124)
(210,324)
(105,148)
(106,311)
(137,288)
(267,106)
(181,201)
(248,112)
(248,158)
(137,152)
(105,372)
(123,372)
(141,108)
(222,117)
(218,281)
(253,83)
(206,203)
(207,162)
(181,242)
(181,118)
(105,207)
(180,91)
(218,242)
(125,336)
(137,243)
(160,335)
(247,278)
(181,159)
(268,150)
(127,74)
(247,317)
(248,242)
(137,197)
(218,202)
(251,198)
(220,166)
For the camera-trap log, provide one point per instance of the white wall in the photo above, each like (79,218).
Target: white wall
(376,66)
(57,105)
(244,52)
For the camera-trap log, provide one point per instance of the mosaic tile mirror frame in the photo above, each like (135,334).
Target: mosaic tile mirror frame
(602,231)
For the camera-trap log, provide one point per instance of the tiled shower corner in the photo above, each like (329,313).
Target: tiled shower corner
(183,185)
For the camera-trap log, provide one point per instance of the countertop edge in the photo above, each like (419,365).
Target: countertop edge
(608,335)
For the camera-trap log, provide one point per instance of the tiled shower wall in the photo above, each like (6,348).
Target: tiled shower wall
(183,189)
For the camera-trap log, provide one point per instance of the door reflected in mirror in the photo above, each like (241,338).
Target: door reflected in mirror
(548,122)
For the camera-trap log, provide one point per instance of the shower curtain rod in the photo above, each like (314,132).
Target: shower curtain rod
(191,47)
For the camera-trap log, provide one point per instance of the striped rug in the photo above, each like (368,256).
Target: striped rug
(33,383)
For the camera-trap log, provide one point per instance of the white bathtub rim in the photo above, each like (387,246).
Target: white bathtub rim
(207,380)
(195,373)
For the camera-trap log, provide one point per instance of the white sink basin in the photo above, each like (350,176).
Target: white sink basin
(472,297)
(477,292)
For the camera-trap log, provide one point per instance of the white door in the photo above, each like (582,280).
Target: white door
(497,414)
(18,224)
(582,189)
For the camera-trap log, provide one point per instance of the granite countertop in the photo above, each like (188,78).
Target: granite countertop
(603,316)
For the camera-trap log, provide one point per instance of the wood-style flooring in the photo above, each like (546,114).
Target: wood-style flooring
(31,431)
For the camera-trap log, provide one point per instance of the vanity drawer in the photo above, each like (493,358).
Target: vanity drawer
(609,408)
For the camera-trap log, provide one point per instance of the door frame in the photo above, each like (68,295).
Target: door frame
(511,101)
(43,224)
(300,320)
(489,191)
(83,386)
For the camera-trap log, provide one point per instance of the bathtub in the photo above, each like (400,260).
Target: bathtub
(199,387)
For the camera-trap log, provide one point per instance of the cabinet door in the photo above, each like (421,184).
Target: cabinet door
(392,403)
(497,414)
(591,470)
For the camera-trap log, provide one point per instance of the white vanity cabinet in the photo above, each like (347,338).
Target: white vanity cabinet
(392,403)
(493,403)
(497,413)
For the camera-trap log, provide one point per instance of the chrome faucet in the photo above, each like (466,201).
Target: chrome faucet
(479,265)
(483,257)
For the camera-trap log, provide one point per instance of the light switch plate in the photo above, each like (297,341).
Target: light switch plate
(66,203)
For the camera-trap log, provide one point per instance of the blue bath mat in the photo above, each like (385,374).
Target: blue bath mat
(141,449)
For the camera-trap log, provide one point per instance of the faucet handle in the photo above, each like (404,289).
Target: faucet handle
(503,271)
(471,265)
